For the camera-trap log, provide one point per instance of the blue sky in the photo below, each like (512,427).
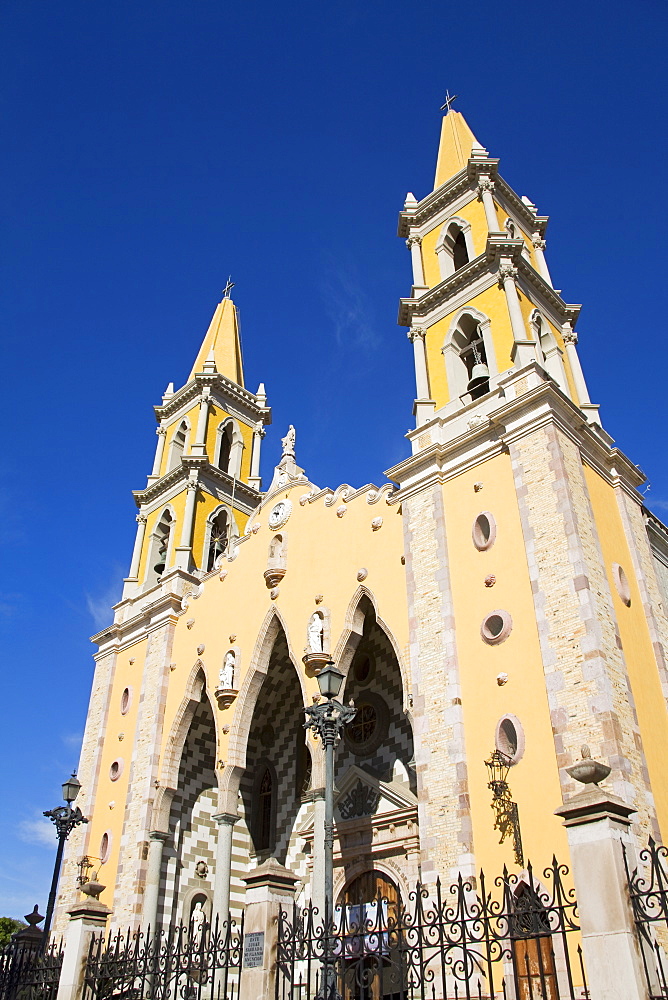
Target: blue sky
(153,148)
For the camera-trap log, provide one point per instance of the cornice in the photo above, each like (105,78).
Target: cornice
(498,246)
(217,383)
(180,475)
(165,609)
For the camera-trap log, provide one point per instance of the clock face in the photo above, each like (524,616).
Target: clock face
(279,513)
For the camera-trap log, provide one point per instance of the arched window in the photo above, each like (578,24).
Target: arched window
(454,248)
(177,446)
(460,254)
(159,550)
(225,447)
(265,812)
(474,357)
(549,351)
(218,540)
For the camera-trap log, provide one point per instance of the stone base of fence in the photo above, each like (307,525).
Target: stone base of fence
(86,918)
(269,888)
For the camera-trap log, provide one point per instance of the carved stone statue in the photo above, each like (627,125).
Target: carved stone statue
(315,633)
(288,443)
(197,924)
(226,673)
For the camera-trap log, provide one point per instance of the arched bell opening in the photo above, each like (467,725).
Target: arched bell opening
(189,855)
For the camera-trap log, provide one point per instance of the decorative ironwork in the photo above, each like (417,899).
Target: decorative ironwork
(468,942)
(183,962)
(27,973)
(649,898)
(506,812)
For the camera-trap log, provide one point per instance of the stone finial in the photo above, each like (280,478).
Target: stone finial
(587,770)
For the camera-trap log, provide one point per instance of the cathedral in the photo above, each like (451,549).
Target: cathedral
(496,600)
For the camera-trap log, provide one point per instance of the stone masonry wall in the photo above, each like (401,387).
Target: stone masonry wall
(446,836)
(587,683)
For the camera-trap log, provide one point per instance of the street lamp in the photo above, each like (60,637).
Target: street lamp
(507,815)
(65,819)
(327,719)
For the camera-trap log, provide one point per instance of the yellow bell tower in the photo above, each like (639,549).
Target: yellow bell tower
(205,479)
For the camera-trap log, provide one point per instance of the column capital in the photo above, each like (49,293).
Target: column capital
(158,835)
(414,241)
(259,430)
(569,335)
(192,484)
(507,271)
(538,241)
(416,333)
(485,184)
(225,819)
(161,431)
(141,519)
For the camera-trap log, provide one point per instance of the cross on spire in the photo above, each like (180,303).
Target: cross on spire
(228,287)
(449,101)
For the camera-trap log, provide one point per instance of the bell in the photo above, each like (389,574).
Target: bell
(479,374)
(159,567)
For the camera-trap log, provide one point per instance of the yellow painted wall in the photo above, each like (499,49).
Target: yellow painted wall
(636,641)
(534,781)
(474,213)
(216,417)
(192,415)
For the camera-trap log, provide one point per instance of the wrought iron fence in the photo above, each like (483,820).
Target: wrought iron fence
(648,888)
(182,962)
(518,942)
(27,973)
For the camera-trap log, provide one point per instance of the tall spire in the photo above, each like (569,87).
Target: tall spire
(222,343)
(456,145)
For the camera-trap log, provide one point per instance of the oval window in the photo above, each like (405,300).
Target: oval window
(484,531)
(496,627)
(510,738)
(116,769)
(105,846)
(126,699)
(621,583)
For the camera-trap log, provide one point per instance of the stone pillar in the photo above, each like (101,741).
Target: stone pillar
(414,244)
(570,340)
(156,843)
(269,888)
(139,543)
(539,250)
(184,550)
(524,350)
(159,451)
(221,885)
(199,446)
(424,407)
(85,919)
(598,823)
(485,189)
(254,479)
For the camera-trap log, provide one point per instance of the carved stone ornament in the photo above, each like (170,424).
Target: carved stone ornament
(200,649)
(570,337)
(225,697)
(414,241)
(304,499)
(416,333)
(222,574)
(256,527)
(362,574)
(485,184)
(279,514)
(376,523)
(201,869)
(507,271)
(319,598)
(502,679)
(340,511)
(362,800)
(315,661)
(477,487)
(190,623)
(274,575)
(274,592)
(140,518)
(490,580)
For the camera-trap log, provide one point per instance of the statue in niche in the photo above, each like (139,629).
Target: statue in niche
(288,443)
(197,924)
(226,673)
(315,633)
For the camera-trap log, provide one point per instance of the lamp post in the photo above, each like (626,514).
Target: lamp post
(65,819)
(327,719)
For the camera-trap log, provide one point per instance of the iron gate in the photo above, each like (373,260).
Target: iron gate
(648,888)
(27,973)
(519,943)
(163,965)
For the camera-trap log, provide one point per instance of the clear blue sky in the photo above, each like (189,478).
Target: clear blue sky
(151,148)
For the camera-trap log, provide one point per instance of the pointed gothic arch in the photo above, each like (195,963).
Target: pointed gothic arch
(178,444)
(469,327)
(454,247)
(229,447)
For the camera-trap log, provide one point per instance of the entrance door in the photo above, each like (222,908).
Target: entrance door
(533,955)
(372,968)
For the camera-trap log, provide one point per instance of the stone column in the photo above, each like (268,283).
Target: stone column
(139,543)
(424,406)
(184,550)
(159,451)
(570,340)
(254,479)
(199,446)
(539,250)
(269,888)
(221,885)
(156,843)
(524,350)
(485,189)
(598,823)
(414,244)
(85,919)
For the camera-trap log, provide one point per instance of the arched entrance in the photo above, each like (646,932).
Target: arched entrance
(533,953)
(371,945)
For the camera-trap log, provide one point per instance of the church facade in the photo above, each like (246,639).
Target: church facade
(503,591)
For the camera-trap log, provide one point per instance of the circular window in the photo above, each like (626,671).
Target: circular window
(116,769)
(496,627)
(484,531)
(363,667)
(509,738)
(126,701)
(621,583)
(105,847)
(369,727)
